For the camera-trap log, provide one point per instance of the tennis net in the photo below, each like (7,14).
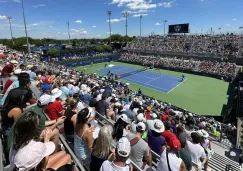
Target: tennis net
(130,73)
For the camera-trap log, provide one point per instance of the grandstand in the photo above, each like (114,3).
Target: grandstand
(217,162)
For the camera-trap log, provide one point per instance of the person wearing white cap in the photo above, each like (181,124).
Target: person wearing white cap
(55,110)
(123,149)
(28,152)
(139,118)
(121,127)
(140,151)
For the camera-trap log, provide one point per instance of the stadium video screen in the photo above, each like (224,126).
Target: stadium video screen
(179,28)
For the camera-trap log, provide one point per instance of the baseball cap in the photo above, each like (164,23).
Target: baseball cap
(17,71)
(154,116)
(45,99)
(124,117)
(32,154)
(175,144)
(158,126)
(141,126)
(123,147)
(140,117)
(14,62)
(46,87)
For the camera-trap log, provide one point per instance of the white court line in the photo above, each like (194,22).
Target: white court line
(142,84)
(177,86)
(153,79)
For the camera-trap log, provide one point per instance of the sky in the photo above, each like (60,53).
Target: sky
(89,19)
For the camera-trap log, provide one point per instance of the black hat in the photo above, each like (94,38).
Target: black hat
(24,76)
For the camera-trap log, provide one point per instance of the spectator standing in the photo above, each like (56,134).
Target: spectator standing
(170,160)
(196,150)
(122,151)
(83,138)
(184,154)
(140,151)
(102,148)
(155,140)
(169,136)
(139,118)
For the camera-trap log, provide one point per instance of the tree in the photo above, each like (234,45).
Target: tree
(98,49)
(54,53)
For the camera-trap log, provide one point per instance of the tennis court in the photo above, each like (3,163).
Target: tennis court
(157,81)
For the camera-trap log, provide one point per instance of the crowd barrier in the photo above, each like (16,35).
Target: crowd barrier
(91,60)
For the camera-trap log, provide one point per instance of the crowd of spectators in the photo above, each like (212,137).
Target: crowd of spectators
(71,99)
(224,69)
(219,45)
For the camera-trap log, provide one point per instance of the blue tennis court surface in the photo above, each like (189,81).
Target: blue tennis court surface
(157,81)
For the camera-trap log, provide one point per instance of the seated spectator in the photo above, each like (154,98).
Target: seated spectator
(93,101)
(122,152)
(55,110)
(102,148)
(9,68)
(170,160)
(16,101)
(121,127)
(13,78)
(80,104)
(46,89)
(138,118)
(169,136)
(104,109)
(196,150)
(42,104)
(28,152)
(65,91)
(184,154)
(155,140)
(68,125)
(83,137)
(32,74)
(85,96)
(140,151)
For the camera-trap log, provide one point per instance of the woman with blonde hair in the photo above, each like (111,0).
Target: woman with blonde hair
(102,148)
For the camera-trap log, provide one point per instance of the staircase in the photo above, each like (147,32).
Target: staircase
(219,163)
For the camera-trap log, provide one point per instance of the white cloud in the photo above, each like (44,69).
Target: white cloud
(50,26)
(35,24)
(39,5)
(201,0)
(140,5)
(234,19)
(3,1)
(81,31)
(98,35)
(78,21)
(138,15)
(166,4)
(18,1)
(116,20)
(227,25)
(135,4)
(157,24)
(3,17)
(94,26)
